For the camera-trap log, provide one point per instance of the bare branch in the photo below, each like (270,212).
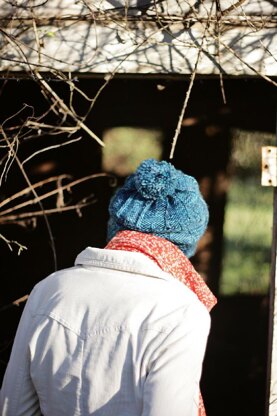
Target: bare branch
(218,34)
(33,214)
(67,110)
(10,244)
(34,186)
(18,302)
(46,149)
(38,200)
(179,125)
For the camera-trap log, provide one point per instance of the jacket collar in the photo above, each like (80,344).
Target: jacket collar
(130,262)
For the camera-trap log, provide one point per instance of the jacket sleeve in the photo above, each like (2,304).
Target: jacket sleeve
(18,396)
(172,382)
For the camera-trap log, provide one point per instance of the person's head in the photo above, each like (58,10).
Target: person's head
(160,200)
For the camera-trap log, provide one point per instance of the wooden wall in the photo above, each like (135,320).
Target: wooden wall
(203,150)
(144,36)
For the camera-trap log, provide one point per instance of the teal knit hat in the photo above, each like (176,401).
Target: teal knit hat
(160,200)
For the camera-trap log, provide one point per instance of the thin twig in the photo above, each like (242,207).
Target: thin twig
(10,244)
(233,7)
(181,116)
(9,159)
(268,51)
(37,40)
(32,214)
(67,110)
(218,34)
(16,302)
(39,202)
(39,125)
(45,149)
(39,198)
(34,186)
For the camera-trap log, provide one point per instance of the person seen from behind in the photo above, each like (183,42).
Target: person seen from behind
(123,332)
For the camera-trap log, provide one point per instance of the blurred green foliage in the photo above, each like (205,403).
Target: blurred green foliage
(248,219)
(126,147)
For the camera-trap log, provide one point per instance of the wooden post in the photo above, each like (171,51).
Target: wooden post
(271,403)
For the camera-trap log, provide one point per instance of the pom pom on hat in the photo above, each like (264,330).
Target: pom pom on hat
(161,200)
(155,180)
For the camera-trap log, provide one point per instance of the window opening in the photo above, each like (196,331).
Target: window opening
(248,219)
(126,147)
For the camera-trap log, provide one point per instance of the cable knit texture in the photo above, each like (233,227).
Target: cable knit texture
(163,201)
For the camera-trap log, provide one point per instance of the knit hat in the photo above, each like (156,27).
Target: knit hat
(163,201)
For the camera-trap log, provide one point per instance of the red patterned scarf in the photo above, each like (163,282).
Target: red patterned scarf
(171,260)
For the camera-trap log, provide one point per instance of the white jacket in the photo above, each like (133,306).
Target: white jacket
(112,336)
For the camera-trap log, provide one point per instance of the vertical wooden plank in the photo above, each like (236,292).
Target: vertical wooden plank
(271,406)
